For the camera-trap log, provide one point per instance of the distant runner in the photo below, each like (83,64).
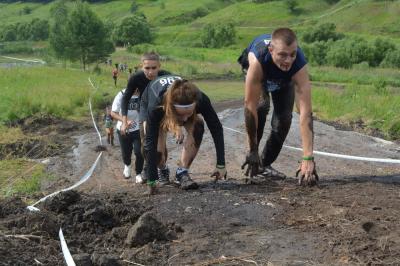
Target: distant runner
(115,74)
(108,122)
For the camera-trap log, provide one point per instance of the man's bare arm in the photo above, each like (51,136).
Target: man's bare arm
(253,87)
(253,90)
(308,173)
(116,116)
(303,95)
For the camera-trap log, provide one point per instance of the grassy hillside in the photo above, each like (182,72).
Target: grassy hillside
(177,20)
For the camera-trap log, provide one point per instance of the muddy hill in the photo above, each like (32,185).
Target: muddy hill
(351,217)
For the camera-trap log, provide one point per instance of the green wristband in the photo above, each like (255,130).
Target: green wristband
(219,166)
(151,183)
(308,158)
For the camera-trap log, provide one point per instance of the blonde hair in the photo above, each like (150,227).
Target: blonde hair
(180,92)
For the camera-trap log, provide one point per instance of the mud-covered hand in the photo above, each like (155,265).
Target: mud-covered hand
(307,173)
(219,172)
(252,161)
(179,136)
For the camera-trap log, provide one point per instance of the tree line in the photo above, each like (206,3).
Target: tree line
(34,30)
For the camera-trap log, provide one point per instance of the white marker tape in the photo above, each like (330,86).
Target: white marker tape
(67,255)
(26,60)
(91,113)
(349,157)
(82,180)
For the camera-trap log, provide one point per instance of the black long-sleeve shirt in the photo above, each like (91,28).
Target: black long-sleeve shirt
(137,81)
(153,113)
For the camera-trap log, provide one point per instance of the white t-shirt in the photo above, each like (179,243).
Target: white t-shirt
(133,110)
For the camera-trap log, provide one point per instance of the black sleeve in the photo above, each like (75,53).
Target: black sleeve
(144,103)
(151,140)
(130,89)
(214,125)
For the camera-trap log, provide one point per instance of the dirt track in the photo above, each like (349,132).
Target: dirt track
(351,217)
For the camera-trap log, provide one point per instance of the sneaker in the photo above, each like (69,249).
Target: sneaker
(270,172)
(163,176)
(185,182)
(127,171)
(144,175)
(139,179)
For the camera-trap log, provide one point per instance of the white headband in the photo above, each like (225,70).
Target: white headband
(184,105)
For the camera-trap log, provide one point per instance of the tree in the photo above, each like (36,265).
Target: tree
(58,35)
(39,29)
(132,30)
(9,33)
(86,36)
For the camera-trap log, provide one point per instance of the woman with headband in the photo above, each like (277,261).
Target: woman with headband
(172,104)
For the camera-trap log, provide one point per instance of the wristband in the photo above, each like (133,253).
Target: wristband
(151,183)
(219,166)
(308,158)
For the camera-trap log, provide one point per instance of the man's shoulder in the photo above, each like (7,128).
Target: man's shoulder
(163,72)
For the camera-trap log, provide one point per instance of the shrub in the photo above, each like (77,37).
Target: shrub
(216,36)
(316,52)
(394,130)
(186,17)
(392,59)
(346,52)
(380,48)
(323,32)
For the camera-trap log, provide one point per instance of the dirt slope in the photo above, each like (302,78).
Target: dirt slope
(351,217)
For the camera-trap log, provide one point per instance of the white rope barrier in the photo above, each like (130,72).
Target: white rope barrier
(67,255)
(336,155)
(91,113)
(26,60)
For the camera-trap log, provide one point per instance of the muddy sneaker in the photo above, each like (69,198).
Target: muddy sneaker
(185,182)
(270,172)
(139,179)
(144,176)
(127,171)
(163,176)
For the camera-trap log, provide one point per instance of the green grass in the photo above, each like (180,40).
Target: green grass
(376,107)
(53,90)
(367,76)
(221,90)
(21,177)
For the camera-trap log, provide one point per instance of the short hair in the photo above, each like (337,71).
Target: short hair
(153,56)
(284,34)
